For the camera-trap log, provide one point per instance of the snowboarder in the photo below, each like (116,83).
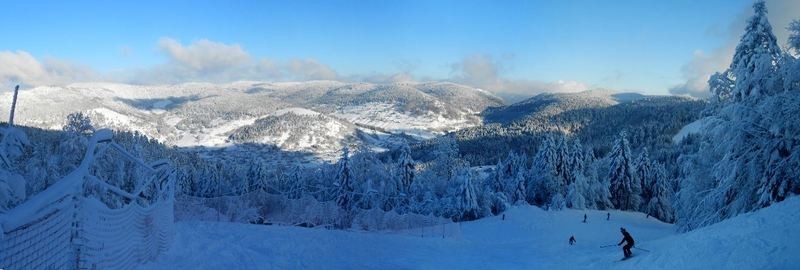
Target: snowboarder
(608,216)
(584,218)
(626,237)
(571,240)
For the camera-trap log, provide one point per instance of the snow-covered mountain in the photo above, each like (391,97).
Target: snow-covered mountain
(550,104)
(595,117)
(296,129)
(315,116)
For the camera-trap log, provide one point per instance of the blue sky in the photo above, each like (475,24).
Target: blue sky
(624,45)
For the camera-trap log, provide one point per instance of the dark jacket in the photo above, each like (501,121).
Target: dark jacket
(626,237)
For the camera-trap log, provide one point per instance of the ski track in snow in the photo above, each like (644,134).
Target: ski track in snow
(529,238)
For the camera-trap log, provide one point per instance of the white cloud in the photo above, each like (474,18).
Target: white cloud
(700,68)
(384,78)
(484,71)
(204,55)
(209,61)
(477,69)
(201,61)
(697,71)
(20,67)
(310,69)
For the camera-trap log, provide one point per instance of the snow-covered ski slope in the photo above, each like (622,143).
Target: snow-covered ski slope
(529,238)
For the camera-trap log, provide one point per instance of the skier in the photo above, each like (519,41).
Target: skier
(608,216)
(584,218)
(626,237)
(571,240)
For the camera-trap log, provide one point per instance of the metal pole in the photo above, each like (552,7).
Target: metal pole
(13,107)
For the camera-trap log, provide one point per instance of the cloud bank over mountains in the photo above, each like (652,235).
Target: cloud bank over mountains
(202,60)
(21,66)
(210,61)
(484,71)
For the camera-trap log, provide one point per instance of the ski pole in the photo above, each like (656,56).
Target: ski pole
(641,249)
(607,246)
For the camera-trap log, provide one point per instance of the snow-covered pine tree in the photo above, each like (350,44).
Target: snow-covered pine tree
(421,197)
(747,157)
(406,169)
(507,171)
(296,186)
(499,202)
(74,141)
(497,183)
(251,180)
(78,123)
(12,144)
(519,194)
(466,198)
(447,160)
(370,198)
(557,202)
(344,183)
(12,184)
(757,59)
(577,158)
(794,36)
(543,182)
(625,189)
(660,203)
(792,68)
(564,165)
(721,86)
(509,177)
(643,168)
(575,193)
(598,195)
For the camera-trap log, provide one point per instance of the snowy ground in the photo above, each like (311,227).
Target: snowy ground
(529,238)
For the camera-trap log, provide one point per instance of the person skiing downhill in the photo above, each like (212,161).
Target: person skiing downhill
(571,240)
(626,237)
(584,218)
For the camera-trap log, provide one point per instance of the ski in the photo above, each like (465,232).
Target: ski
(626,258)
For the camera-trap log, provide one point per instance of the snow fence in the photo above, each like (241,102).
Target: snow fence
(88,235)
(61,228)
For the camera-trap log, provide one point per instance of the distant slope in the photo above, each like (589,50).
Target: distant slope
(547,104)
(296,130)
(594,117)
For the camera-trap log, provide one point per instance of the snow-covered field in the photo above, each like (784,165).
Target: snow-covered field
(529,238)
(386,116)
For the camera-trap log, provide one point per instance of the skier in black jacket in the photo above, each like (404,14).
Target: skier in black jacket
(626,237)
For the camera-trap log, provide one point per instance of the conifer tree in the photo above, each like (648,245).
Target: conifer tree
(625,189)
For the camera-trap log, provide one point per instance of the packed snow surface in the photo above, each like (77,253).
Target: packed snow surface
(692,128)
(529,238)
